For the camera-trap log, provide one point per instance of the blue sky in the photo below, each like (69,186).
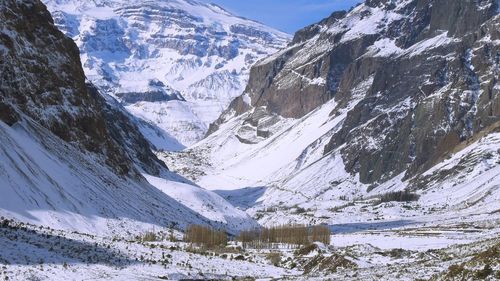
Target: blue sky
(285,15)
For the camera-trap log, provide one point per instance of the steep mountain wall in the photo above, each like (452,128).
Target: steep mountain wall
(433,68)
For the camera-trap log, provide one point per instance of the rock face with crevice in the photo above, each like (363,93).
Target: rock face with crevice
(437,89)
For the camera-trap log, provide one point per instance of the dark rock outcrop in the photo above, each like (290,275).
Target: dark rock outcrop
(41,77)
(156,92)
(418,109)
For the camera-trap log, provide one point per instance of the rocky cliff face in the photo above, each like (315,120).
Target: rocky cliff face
(438,88)
(175,64)
(431,70)
(41,78)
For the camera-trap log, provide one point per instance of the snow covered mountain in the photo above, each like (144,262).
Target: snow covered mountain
(175,64)
(390,96)
(68,159)
(382,123)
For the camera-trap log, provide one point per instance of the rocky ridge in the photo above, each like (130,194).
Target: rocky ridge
(42,78)
(389,96)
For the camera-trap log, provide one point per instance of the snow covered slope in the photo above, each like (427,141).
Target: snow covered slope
(47,182)
(204,202)
(69,159)
(176,64)
(364,103)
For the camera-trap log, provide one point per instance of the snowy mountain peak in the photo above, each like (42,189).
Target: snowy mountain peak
(198,51)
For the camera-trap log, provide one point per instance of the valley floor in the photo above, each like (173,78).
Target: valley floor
(388,250)
(451,233)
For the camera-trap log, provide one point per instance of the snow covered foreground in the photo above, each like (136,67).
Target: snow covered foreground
(94,239)
(40,253)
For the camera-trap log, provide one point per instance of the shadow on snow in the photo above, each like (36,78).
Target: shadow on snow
(346,228)
(242,198)
(23,246)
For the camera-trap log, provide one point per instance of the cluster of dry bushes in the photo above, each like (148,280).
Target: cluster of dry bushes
(259,237)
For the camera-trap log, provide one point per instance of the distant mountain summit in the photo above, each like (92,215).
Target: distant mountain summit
(175,64)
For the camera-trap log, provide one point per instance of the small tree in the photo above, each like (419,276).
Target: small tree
(399,196)
(149,236)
